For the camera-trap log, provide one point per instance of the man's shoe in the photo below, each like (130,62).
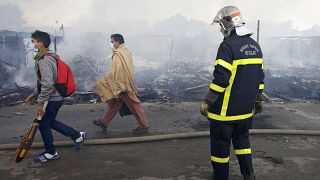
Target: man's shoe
(140,130)
(100,124)
(44,157)
(80,140)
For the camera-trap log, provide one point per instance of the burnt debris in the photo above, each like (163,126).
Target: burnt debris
(182,78)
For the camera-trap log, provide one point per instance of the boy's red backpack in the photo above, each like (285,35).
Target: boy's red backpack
(65,84)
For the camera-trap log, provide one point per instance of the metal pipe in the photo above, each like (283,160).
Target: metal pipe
(258,31)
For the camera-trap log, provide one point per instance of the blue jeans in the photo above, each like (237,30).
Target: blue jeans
(49,122)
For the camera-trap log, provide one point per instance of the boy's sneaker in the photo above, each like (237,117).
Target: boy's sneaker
(100,124)
(80,140)
(44,157)
(140,130)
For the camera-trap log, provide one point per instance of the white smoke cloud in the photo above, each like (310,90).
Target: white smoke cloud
(183,23)
(97,14)
(10,16)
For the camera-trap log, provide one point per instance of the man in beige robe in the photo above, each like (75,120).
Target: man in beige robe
(118,89)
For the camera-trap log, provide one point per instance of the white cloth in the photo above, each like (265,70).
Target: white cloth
(243,30)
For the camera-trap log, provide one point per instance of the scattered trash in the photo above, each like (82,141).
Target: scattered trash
(19,114)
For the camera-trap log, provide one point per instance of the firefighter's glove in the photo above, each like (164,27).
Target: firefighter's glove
(211,97)
(204,108)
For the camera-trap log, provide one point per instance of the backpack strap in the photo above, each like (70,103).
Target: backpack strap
(55,57)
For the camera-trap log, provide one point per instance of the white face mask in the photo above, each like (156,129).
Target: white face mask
(111,45)
(33,48)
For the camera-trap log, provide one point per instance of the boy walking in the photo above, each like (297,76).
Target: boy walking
(46,71)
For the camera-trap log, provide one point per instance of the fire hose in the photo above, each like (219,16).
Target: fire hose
(125,140)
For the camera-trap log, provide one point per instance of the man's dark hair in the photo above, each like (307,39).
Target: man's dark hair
(118,37)
(42,37)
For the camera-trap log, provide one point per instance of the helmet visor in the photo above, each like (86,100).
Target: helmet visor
(216,26)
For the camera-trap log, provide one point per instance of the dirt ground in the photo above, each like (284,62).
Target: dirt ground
(275,156)
(163,118)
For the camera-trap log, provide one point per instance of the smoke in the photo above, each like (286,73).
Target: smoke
(183,26)
(161,36)
(90,15)
(89,44)
(11,17)
(25,77)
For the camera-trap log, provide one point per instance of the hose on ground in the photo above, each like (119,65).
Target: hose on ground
(91,142)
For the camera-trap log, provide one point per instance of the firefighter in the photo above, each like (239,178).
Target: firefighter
(229,104)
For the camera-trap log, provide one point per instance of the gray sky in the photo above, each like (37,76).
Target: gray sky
(97,13)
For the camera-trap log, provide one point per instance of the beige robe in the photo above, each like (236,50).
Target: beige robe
(120,77)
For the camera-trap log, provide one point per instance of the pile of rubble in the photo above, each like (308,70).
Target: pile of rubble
(293,83)
(14,95)
(87,70)
(187,79)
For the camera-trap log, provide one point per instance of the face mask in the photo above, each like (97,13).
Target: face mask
(111,45)
(33,48)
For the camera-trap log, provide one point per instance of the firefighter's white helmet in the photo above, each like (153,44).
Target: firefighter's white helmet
(230,18)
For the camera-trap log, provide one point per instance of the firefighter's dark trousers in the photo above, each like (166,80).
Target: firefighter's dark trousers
(222,133)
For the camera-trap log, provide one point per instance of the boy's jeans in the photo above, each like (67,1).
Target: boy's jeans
(49,122)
